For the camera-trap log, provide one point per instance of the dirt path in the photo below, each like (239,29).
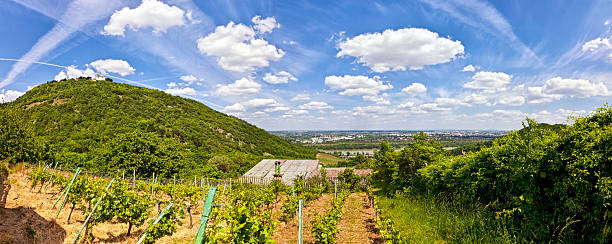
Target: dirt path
(287,233)
(357,223)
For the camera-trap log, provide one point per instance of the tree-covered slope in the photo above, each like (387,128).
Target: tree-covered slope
(107,125)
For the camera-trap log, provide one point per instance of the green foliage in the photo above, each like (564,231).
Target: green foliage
(554,182)
(394,171)
(84,122)
(352,182)
(16,141)
(166,225)
(325,227)
(131,208)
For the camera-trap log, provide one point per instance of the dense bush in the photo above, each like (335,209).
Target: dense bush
(550,184)
(16,141)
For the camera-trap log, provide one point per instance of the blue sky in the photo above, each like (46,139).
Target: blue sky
(286,65)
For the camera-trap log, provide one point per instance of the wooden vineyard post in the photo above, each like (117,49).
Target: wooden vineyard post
(92,211)
(205,214)
(154,222)
(174,186)
(67,191)
(300,222)
(51,177)
(134,183)
(335,189)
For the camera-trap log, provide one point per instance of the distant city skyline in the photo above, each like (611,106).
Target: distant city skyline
(328,65)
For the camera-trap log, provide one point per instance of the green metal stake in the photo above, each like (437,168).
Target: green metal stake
(300,222)
(205,214)
(67,191)
(50,178)
(261,185)
(134,182)
(153,185)
(60,195)
(292,191)
(92,211)
(230,190)
(154,222)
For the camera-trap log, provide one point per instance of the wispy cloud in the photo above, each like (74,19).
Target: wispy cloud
(78,14)
(485,17)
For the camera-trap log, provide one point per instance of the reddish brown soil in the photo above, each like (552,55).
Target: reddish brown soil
(288,232)
(357,223)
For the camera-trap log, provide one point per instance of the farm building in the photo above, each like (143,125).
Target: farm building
(289,170)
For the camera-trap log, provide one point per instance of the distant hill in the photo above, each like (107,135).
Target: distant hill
(105,125)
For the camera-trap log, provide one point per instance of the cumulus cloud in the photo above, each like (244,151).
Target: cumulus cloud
(378,99)
(510,100)
(181,91)
(489,81)
(120,67)
(315,106)
(476,98)
(406,105)
(374,111)
(150,13)
(301,97)
(264,25)
(469,68)
(238,49)
(297,112)
(557,88)
(9,95)
(415,89)
(408,48)
(72,72)
(260,104)
(240,87)
(357,85)
(281,77)
(451,102)
(429,107)
(597,43)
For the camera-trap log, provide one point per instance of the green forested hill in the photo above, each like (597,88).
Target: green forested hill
(107,125)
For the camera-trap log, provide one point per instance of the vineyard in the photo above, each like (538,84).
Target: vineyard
(90,208)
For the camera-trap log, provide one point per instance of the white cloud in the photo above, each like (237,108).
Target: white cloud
(172,84)
(237,107)
(357,85)
(432,107)
(266,104)
(476,98)
(378,99)
(508,113)
(297,112)
(557,88)
(315,106)
(9,95)
(237,48)
(597,43)
(181,91)
(469,68)
(408,48)
(189,78)
(150,13)
(511,100)
(374,111)
(105,66)
(451,102)
(72,72)
(415,89)
(264,25)
(489,81)
(301,97)
(240,87)
(281,77)
(406,105)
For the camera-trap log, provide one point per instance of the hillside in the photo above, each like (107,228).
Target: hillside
(105,125)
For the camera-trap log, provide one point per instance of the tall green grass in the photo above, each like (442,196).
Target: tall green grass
(427,220)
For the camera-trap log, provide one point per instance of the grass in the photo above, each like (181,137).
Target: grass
(328,159)
(426,220)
